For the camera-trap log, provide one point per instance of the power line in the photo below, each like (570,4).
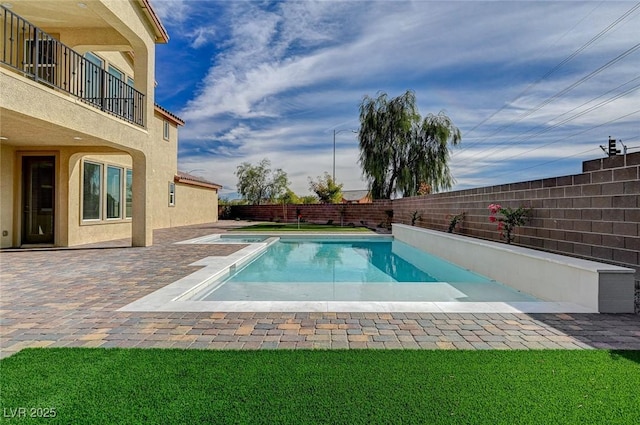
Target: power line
(582,80)
(563,139)
(548,162)
(530,86)
(571,118)
(554,69)
(596,98)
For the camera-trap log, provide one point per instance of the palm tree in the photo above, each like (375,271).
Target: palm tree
(399,151)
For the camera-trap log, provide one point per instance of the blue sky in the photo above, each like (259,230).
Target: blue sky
(535,87)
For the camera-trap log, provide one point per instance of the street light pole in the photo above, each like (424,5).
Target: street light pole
(334,150)
(334,155)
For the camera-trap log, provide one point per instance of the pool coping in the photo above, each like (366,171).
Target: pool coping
(602,287)
(174,297)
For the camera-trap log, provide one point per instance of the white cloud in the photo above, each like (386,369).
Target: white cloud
(171,12)
(202,36)
(284,74)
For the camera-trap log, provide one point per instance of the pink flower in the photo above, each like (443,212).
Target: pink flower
(492,218)
(494,208)
(500,225)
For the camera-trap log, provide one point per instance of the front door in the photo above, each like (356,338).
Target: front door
(38,185)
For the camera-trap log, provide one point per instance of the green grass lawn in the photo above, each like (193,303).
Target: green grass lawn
(306,227)
(104,386)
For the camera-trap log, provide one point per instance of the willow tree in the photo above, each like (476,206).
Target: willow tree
(399,150)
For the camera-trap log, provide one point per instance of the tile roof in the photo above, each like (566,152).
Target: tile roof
(186,178)
(354,195)
(168,114)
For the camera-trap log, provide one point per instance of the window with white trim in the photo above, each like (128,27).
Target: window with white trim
(128,190)
(106,192)
(91,191)
(114,192)
(165,130)
(172,194)
(93,86)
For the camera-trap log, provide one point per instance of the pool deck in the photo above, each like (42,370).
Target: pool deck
(70,298)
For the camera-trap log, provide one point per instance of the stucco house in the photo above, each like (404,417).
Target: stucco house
(86,154)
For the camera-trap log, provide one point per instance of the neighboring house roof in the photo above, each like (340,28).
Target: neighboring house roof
(354,195)
(186,178)
(169,115)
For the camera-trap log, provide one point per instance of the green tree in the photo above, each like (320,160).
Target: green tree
(309,199)
(400,151)
(327,190)
(289,197)
(258,183)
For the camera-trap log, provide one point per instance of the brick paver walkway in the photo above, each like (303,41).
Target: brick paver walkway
(70,297)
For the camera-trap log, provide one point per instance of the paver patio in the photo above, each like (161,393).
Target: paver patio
(70,298)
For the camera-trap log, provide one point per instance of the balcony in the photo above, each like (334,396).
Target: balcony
(37,55)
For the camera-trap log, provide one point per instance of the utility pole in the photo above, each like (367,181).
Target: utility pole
(333,176)
(613,148)
(613,151)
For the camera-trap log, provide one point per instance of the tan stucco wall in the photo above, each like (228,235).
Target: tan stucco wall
(165,166)
(194,205)
(7,193)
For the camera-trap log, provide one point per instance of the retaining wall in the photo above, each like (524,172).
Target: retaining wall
(558,278)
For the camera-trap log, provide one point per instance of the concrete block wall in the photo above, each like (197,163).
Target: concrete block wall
(593,215)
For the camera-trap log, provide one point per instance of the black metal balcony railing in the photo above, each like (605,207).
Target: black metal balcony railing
(34,53)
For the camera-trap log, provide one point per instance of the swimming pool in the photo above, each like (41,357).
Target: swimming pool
(357,269)
(453,296)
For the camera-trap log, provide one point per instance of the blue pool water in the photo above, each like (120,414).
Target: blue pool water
(354,270)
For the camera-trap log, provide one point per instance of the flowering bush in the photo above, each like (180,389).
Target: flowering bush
(511,218)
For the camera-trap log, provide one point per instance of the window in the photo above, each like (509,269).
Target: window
(41,57)
(91,191)
(115,89)
(165,130)
(114,192)
(172,194)
(128,209)
(116,72)
(104,188)
(93,77)
(128,96)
